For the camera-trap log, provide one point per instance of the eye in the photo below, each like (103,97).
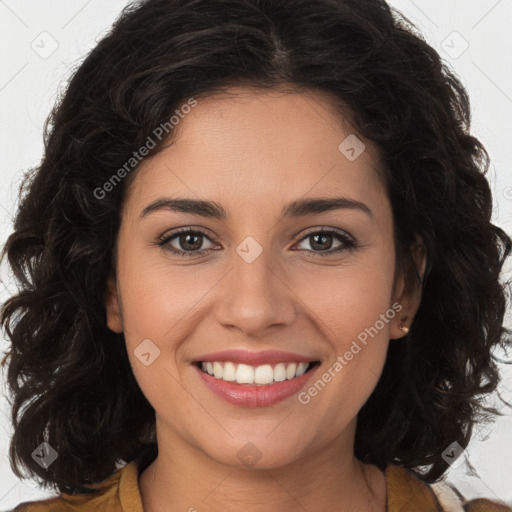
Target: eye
(189,242)
(321,241)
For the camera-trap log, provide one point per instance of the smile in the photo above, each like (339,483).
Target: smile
(254,386)
(261,375)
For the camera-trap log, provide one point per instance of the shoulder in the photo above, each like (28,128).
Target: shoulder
(116,493)
(451,500)
(405,487)
(483,505)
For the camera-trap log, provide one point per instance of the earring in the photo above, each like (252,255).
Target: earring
(403,328)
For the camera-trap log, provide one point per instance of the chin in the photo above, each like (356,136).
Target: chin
(253,455)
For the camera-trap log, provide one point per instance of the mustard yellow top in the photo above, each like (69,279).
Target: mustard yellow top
(120,493)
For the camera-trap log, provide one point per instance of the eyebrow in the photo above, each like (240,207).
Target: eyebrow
(295,209)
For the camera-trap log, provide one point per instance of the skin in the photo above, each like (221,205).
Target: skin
(254,152)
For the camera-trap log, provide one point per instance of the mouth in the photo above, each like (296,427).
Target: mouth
(254,379)
(261,375)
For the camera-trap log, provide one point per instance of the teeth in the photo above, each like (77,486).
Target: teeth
(301,369)
(217,370)
(290,370)
(263,374)
(229,372)
(244,374)
(280,372)
(259,375)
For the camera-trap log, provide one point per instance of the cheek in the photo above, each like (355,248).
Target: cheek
(354,313)
(349,298)
(158,302)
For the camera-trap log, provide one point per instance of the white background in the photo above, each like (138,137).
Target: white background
(30,80)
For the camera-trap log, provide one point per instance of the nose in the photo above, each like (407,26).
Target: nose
(254,296)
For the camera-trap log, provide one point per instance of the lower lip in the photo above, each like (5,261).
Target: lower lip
(246,395)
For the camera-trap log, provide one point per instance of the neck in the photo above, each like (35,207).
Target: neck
(183,477)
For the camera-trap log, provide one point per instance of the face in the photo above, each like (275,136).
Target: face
(255,276)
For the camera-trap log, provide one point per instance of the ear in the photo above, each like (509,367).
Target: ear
(112,306)
(409,288)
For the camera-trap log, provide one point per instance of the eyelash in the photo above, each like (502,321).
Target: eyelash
(163,241)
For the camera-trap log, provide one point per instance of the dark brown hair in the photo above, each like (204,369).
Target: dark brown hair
(69,375)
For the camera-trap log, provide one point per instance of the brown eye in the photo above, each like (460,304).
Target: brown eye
(190,242)
(186,242)
(321,241)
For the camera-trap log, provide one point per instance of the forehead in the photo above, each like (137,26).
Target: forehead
(252,147)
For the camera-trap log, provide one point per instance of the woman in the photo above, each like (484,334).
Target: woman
(258,268)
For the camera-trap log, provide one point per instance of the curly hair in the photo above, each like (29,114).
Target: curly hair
(69,375)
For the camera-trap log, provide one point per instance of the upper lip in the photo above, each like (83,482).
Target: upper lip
(255,358)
